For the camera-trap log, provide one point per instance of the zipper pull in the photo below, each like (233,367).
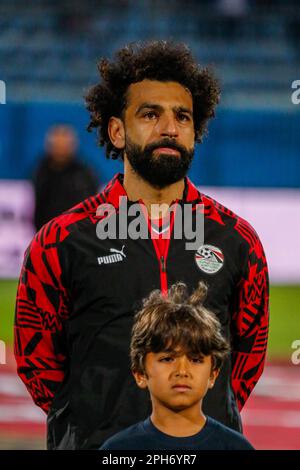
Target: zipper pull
(163,266)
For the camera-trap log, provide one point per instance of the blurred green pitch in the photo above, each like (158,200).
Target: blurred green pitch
(284,324)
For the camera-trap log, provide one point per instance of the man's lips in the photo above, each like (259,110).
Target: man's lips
(168,150)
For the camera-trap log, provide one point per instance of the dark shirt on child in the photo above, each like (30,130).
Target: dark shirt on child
(145,436)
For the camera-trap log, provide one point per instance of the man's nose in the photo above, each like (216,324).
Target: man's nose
(168,126)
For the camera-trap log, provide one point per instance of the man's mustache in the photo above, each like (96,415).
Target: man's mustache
(165,143)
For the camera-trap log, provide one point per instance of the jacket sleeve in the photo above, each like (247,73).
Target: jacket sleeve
(42,306)
(250,319)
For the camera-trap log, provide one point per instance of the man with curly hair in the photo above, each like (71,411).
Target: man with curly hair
(78,292)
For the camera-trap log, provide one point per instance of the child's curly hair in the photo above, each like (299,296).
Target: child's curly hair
(156,60)
(165,322)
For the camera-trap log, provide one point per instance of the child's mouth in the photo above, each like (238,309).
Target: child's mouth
(181,387)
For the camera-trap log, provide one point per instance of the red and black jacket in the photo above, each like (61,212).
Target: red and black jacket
(74,316)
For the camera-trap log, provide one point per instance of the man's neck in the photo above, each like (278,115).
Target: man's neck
(137,188)
(178,424)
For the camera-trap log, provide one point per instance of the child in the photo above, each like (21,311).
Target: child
(177,350)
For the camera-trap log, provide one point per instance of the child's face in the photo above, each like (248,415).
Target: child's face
(175,379)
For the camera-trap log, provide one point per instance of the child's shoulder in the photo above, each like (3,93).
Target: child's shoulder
(230,438)
(130,435)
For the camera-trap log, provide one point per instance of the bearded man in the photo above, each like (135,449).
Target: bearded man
(78,292)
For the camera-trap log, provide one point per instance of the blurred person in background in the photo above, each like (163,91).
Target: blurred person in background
(61,179)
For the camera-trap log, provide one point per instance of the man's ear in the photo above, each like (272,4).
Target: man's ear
(141,379)
(213,377)
(116,132)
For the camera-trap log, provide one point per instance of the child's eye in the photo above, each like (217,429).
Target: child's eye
(197,360)
(166,359)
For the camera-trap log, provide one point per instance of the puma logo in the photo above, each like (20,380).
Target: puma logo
(118,256)
(113,250)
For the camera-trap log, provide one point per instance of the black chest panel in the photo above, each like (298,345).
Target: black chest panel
(109,279)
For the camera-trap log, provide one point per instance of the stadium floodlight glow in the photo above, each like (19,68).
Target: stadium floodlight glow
(2,92)
(296,94)
(2,353)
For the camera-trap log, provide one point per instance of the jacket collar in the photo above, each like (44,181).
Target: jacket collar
(115,189)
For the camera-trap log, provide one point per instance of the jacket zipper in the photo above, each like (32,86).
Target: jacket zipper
(162,262)
(161,258)
(163,276)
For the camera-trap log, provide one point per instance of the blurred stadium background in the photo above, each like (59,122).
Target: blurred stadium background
(250,160)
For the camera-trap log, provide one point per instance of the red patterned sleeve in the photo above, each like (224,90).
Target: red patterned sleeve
(250,318)
(42,305)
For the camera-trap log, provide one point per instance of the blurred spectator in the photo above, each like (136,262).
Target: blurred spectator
(61,180)
(233,8)
(293,31)
(72,18)
(232,13)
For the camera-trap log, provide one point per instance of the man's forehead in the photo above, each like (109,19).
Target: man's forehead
(158,92)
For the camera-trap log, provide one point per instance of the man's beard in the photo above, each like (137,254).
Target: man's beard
(159,170)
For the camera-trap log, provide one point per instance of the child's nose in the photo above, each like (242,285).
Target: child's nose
(182,367)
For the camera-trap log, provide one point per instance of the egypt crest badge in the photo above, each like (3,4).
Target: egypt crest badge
(209,259)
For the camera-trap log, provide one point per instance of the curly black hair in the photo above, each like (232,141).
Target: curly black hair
(156,60)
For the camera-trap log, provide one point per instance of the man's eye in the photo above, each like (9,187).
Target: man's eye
(150,115)
(183,117)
